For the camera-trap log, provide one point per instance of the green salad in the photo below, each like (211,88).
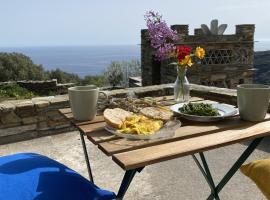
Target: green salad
(200,109)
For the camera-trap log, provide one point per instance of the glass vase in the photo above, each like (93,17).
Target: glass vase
(181,86)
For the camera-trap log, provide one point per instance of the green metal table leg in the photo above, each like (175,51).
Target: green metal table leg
(128,177)
(212,187)
(86,158)
(206,173)
(236,166)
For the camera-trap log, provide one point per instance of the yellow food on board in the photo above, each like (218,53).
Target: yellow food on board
(140,125)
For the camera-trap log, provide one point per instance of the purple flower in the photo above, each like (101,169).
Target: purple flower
(162,37)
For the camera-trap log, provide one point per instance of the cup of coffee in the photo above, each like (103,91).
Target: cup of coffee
(253,101)
(83,101)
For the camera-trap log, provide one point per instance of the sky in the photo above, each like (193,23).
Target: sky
(117,22)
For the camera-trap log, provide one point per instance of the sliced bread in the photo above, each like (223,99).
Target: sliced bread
(157,113)
(116,117)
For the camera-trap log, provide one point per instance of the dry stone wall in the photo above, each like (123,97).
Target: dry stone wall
(42,87)
(25,119)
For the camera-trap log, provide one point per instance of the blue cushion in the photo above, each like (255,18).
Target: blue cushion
(29,176)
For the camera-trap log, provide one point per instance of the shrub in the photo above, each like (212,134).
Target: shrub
(114,74)
(15,91)
(118,72)
(63,77)
(94,80)
(16,66)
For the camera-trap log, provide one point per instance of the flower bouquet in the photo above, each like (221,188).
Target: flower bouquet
(163,39)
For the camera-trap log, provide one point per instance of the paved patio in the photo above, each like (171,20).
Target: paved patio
(172,180)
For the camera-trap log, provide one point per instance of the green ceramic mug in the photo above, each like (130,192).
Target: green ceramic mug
(253,101)
(83,101)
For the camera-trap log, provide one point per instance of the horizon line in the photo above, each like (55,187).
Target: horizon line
(70,45)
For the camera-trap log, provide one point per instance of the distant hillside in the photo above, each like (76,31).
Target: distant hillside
(262,64)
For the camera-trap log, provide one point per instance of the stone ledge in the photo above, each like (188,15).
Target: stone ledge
(38,102)
(167,89)
(30,118)
(212,93)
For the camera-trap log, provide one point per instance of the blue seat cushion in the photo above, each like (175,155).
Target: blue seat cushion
(29,176)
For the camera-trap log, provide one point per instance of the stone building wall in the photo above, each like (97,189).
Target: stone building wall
(228,60)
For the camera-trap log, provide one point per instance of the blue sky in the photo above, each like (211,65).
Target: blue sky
(110,22)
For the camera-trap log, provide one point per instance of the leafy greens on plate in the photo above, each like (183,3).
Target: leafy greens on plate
(199,109)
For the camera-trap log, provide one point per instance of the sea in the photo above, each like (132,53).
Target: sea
(81,60)
(88,60)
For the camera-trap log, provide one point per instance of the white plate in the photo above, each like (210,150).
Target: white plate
(167,130)
(224,110)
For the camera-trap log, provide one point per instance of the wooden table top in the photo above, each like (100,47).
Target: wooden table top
(190,138)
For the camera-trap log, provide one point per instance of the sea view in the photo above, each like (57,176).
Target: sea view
(81,60)
(88,60)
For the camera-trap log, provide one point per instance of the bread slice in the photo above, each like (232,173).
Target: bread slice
(116,117)
(157,113)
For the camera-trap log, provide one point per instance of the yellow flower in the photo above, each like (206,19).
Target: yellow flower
(186,61)
(200,52)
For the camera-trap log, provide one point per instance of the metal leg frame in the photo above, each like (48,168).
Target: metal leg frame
(215,189)
(128,177)
(86,158)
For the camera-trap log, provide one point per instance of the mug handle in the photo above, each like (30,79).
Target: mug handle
(106,97)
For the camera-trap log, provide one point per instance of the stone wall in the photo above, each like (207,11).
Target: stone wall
(228,61)
(26,119)
(42,87)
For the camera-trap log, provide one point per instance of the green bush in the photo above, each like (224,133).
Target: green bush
(94,80)
(114,74)
(15,91)
(117,73)
(16,66)
(63,77)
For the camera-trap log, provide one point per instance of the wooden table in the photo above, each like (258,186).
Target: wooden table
(191,138)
